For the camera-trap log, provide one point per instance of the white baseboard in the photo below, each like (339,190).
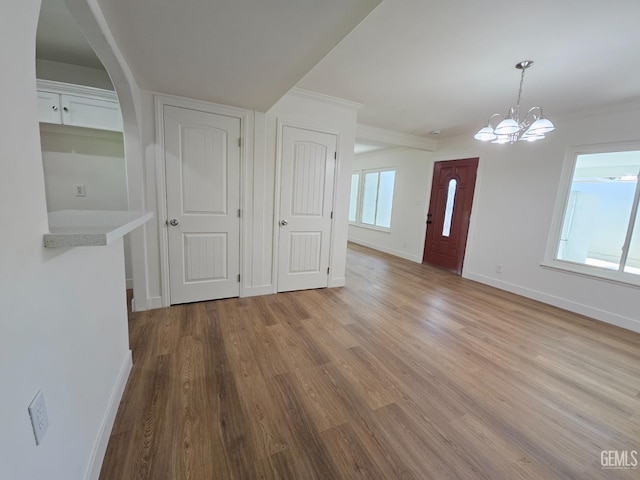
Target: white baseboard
(150,304)
(257,291)
(595,313)
(390,251)
(102,440)
(154,302)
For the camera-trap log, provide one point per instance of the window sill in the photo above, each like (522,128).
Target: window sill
(370,227)
(595,273)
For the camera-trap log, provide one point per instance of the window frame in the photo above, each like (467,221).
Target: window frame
(360,197)
(357,213)
(551,260)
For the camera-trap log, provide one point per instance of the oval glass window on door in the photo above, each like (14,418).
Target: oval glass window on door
(448,210)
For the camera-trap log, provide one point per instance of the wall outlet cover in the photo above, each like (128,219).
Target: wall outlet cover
(39,418)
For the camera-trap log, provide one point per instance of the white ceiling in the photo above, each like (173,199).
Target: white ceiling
(246,53)
(416,65)
(60,40)
(423,65)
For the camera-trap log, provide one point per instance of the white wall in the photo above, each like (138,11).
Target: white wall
(258,189)
(93,158)
(414,172)
(83,156)
(513,206)
(75,74)
(63,324)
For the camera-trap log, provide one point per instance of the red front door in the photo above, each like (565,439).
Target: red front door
(449,213)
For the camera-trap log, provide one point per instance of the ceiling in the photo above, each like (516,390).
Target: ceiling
(416,65)
(246,53)
(424,65)
(59,39)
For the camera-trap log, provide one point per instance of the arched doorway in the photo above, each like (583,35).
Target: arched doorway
(92,24)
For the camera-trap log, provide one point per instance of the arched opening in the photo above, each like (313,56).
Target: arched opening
(91,168)
(80,122)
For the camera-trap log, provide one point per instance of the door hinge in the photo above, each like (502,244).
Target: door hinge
(327,270)
(239,213)
(239,142)
(331,214)
(238,278)
(335,155)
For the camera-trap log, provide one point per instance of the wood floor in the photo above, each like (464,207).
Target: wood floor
(408,372)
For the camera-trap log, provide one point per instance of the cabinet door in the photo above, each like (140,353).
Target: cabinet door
(49,107)
(91,112)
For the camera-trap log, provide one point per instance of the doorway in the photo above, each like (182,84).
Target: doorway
(202,171)
(450,213)
(306,208)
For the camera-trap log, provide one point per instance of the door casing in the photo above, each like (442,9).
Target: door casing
(280,124)
(246,157)
(472,162)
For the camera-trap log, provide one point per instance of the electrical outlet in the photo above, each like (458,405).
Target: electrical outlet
(499,268)
(81,191)
(39,418)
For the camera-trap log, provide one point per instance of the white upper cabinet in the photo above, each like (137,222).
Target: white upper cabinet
(90,112)
(48,107)
(67,104)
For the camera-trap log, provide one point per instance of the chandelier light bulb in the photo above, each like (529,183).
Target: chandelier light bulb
(511,128)
(507,127)
(541,126)
(485,134)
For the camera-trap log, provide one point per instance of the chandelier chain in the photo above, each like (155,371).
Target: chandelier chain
(520,89)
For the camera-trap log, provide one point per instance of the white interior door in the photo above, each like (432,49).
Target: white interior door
(306,204)
(202,156)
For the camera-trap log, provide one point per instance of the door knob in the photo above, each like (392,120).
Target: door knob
(173,222)
(284,222)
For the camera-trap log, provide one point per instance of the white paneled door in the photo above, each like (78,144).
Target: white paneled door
(202,157)
(306,203)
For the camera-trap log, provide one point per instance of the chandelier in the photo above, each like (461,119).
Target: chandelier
(533,126)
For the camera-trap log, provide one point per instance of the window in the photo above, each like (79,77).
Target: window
(372,198)
(448,210)
(599,228)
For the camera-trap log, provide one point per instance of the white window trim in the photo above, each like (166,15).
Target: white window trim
(359,198)
(359,172)
(550,257)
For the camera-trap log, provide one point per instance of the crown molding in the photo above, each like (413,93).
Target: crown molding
(78,90)
(628,106)
(321,97)
(617,107)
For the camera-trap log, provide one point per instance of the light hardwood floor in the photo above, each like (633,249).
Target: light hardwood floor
(408,372)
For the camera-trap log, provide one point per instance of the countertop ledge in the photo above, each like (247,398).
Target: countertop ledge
(91,228)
